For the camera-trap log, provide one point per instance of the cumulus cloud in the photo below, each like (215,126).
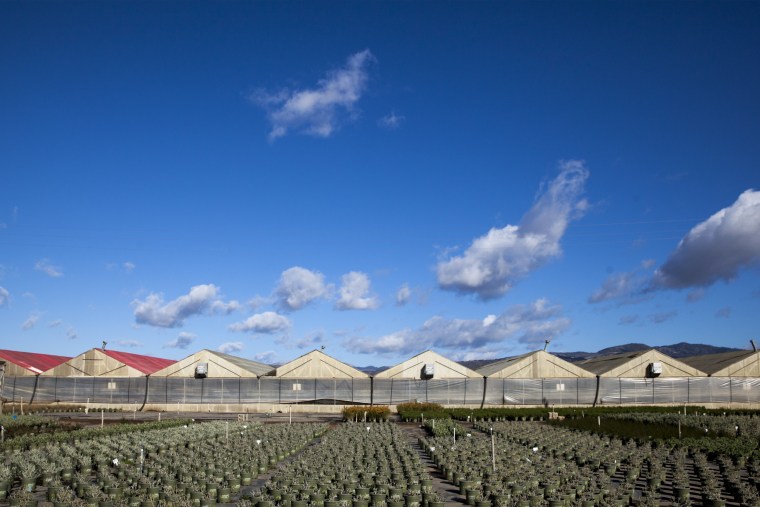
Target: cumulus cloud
(30,321)
(391,121)
(493,263)
(524,324)
(298,287)
(5,296)
(403,294)
(321,110)
(129,343)
(267,323)
(182,341)
(202,299)
(44,266)
(230,347)
(355,293)
(228,307)
(716,249)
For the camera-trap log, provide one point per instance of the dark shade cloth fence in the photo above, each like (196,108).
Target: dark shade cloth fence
(454,392)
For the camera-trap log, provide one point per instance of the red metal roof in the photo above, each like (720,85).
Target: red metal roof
(145,364)
(36,363)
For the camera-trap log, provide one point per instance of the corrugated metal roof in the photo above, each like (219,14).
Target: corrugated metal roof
(36,363)
(145,364)
(712,363)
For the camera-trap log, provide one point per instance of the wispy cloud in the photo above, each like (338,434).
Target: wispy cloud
(321,110)
(30,321)
(521,324)
(129,266)
(695,295)
(311,341)
(625,288)
(44,266)
(403,294)
(72,334)
(129,343)
(55,323)
(716,249)
(182,341)
(265,357)
(627,320)
(355,293)
(391,121)
(202,299)
(5,296)
(659,318)
(723,313)
(298,287)
(266,323)
(230,347)
(493,263)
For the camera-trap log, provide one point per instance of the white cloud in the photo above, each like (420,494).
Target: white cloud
(230,347)
(391,121)
(5,296)
(521,324)
(493,263)
(219,306)
(71,333)
(55,323)
(355,293)
(202,299)
(182,341)
(298,287)
(44,266)
(129,266)
(311,341)
(716,249)
(30,321)
(129,343)
(267,323)
(403,294)
(265,357)
(317,111)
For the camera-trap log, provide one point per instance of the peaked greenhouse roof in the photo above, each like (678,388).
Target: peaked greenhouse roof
(36,363)
(145,364)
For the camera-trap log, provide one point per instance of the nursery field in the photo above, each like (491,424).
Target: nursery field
(621,459)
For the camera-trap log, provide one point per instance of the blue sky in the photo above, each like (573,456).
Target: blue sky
(265,178)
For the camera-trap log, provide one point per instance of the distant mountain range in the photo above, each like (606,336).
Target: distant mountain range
(676,350)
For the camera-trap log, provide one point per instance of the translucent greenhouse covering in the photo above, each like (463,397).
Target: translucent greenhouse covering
(346,391)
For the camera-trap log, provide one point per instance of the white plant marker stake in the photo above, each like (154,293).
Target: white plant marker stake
(2,433)
(493,451)
(599,420)
(142,459)
(455,434)
(159,417)
(102,417)
(290,415)
(679,428)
